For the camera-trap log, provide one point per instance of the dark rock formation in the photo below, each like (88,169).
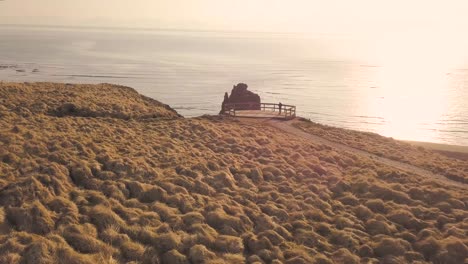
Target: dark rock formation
(241,99)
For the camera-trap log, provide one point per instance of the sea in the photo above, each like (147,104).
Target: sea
(397,88)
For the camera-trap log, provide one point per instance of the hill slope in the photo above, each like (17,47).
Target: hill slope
(102,100)
(453,168)
(117,185)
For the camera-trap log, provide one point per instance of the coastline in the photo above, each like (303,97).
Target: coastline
(197,90)
(446,162)
(440,147)
(455,151)
(452,151)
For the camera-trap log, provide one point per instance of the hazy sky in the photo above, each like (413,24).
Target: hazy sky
(327,16)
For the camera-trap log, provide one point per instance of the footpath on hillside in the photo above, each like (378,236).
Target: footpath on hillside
(287,126)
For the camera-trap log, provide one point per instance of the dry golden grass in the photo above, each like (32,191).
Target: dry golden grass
(103,100)
(453,168)
(120,188)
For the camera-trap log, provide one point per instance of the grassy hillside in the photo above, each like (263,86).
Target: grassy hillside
(138,184)
(80,100)
(453,168)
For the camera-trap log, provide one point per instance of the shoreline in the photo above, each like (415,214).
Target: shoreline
(456,151)
(438,147)
(449,161)
(453,151)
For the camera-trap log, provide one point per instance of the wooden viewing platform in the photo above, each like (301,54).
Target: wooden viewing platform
(263,110)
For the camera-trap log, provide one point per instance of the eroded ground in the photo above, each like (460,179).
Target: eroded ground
(155,188)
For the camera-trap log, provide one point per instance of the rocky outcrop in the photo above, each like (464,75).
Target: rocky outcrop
(243,98)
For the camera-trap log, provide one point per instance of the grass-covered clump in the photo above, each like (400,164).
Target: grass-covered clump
(99,181)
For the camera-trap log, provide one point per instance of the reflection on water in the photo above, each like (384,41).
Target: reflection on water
(411,97)
(406,94)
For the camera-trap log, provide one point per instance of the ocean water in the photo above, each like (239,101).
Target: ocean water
(336,80)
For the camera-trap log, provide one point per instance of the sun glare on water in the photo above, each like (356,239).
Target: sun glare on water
(412,96)
(413,80)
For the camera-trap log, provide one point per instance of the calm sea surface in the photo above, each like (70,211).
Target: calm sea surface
(334,80)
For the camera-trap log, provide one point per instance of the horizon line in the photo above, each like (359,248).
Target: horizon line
(166,29)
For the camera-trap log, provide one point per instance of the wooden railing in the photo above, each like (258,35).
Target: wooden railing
(286,111)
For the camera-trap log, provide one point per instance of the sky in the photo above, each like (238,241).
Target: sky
(326,16)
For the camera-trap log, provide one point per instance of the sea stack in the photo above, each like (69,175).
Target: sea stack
(245,99)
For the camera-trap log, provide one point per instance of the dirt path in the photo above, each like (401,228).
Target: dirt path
(287,126)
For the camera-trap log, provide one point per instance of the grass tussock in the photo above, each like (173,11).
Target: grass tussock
(448,164)
(100,174)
